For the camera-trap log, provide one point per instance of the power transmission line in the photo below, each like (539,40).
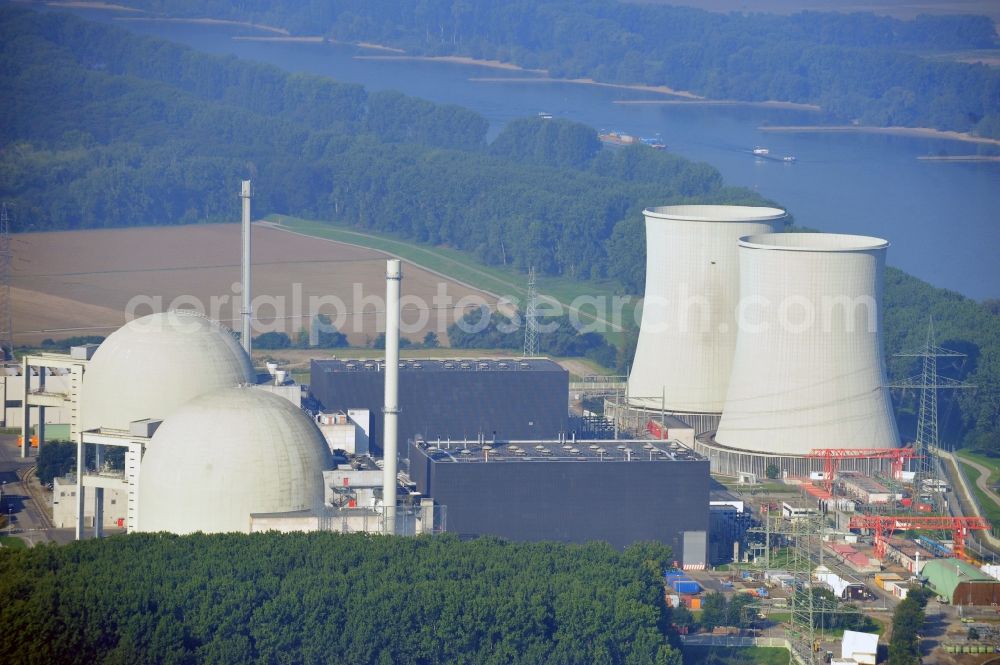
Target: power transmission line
(928,383)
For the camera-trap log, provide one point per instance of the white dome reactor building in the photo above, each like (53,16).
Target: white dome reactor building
(226,455)
(808,370)
(143,372)
(688,331)
(153,364)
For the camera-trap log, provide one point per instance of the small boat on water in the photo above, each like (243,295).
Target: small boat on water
(544,116)
(765,154)
(617,138)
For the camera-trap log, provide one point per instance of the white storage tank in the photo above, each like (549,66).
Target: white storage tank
(688,330)
(808,370)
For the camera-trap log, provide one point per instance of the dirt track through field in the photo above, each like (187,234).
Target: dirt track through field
(85,282)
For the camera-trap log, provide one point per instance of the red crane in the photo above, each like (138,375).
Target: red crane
(883,526)
(832,456)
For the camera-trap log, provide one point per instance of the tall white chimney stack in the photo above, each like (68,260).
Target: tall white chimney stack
(393,276)
(245,315)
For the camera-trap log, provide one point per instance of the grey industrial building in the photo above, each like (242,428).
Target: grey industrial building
(571,491)
(519,398)
(729,520)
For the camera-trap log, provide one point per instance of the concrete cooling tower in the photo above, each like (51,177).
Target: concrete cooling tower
(808,371)
(688,330)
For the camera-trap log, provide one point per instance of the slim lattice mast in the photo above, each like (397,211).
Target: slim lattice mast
(530,317)
(802,632)
(929,382)
(6,313)
(927,422)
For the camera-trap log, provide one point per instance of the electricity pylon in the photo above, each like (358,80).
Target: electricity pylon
(530,317)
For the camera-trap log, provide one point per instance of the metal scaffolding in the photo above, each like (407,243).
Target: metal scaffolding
(831,459)
(883,526)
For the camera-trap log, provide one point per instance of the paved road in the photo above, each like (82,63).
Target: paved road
(27,502)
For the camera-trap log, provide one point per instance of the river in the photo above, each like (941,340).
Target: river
(942,218)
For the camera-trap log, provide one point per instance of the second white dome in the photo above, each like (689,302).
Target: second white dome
(226,455)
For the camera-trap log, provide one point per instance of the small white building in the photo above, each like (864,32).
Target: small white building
(793,513)
(289,390)
(64,505)
(842,588)
(347,432)
(862,648)
(898,589)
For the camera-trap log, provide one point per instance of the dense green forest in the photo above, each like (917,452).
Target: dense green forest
(105,128)
(855,66)
(481,329)
(324,597)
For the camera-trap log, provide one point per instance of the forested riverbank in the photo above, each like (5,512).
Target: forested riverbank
(105,128)
(873,69)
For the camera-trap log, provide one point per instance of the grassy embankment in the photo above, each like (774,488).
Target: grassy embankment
(987,502)
(460,266)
